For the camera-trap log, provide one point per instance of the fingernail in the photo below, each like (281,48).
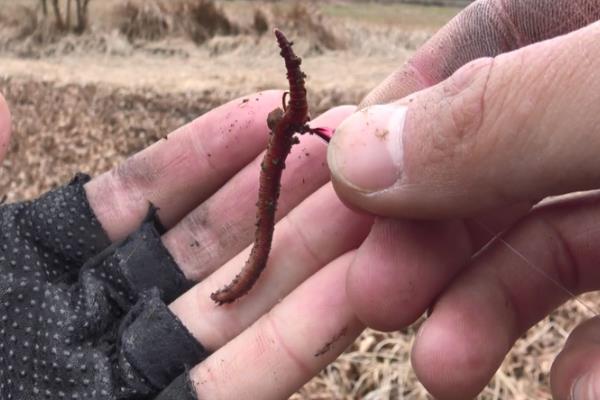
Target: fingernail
(366,151)
(586,387)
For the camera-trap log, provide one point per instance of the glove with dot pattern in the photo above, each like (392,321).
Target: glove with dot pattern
(82,318)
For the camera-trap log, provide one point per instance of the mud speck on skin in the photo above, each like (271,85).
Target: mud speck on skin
(381,133)
(329,345)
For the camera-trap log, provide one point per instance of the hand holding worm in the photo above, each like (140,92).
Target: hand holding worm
(93,256)
(497,111)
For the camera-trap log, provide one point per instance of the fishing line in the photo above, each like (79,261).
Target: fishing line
(572,295)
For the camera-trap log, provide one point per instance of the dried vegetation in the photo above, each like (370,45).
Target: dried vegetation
(199,20)
(305,20)
(28,31)
(59,130)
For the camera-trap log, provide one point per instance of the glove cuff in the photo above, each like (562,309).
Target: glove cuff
(155,344)
(146,263)
(62,221)
(181,388)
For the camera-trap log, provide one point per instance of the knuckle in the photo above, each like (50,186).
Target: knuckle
(274,337)
(206,239)
(303,243)
(465,94)
(201,248)
(456,137)
(132,174)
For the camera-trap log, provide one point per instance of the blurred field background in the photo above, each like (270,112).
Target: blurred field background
(85,97)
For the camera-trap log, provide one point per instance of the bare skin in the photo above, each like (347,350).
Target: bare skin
(498,110)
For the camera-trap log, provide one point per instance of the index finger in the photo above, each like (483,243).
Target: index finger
(178,173)
(486,28)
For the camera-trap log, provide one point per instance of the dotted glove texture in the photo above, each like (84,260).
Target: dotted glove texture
(82,318)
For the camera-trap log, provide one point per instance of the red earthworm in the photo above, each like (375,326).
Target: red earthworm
(283,124)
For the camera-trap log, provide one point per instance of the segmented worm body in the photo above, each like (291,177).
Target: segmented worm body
(283,124)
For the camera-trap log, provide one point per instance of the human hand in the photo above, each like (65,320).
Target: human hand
(474,151)
(79,325)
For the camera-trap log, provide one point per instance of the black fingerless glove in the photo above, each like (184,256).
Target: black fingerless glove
(81,318)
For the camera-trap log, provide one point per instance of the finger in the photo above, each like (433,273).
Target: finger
(287,346)
(403,265)
(400,268)
(224,224)
(484,29)
(301,246)
(483,228)
(511,285)
(191,164)
(576,371)
(515,128)
(5,127)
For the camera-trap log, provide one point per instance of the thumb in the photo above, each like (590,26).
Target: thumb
(4,127)
(517,127)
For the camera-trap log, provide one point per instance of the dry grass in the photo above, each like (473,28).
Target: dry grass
(23,29)
(62,129)
(152,19)
(305,20)
(141,20)
(406,16)
(21,26)
(17,22)
(260,22)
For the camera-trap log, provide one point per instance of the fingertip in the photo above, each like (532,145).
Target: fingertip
(366,152)
(332,118)
(453,358)
(5,126)
(575,373)
(346,121)
(380,287)
(378,295)
(338,113)
(401,267)
(464,341)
